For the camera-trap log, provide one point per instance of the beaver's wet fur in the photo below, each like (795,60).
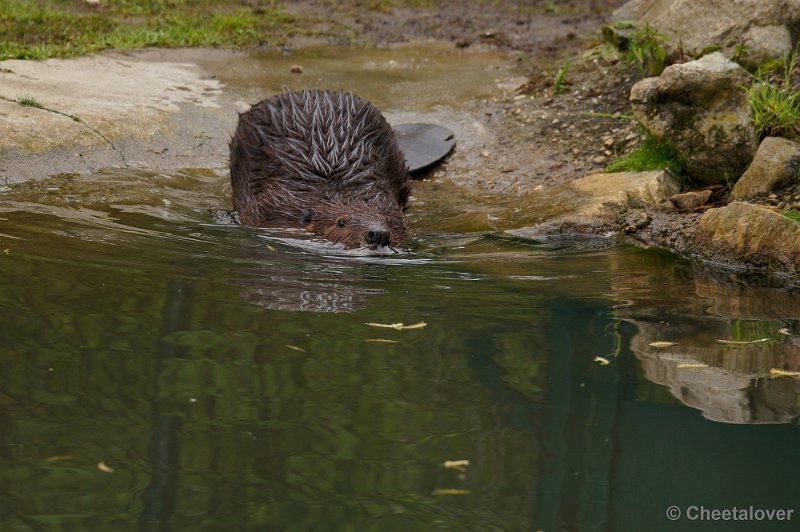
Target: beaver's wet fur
(323,160)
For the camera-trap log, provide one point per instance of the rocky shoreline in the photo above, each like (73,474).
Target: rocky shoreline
(725,210)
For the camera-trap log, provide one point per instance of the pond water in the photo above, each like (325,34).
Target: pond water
(163,370)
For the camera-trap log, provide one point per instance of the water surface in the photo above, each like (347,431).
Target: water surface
(231,381)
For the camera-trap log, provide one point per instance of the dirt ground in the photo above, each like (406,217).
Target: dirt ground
(545,137)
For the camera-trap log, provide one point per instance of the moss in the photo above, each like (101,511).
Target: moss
(653,154)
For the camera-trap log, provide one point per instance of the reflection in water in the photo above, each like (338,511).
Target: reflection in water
(158,499)
(306,293)
(138,333)
(726,340)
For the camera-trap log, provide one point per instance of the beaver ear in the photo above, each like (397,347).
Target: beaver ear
(308,215)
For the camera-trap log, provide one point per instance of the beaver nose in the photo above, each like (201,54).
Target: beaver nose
(378,237)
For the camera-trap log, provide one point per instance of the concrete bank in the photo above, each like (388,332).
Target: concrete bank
(153,109)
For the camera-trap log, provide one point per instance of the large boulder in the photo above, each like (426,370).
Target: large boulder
(691,26)
(776,164)
(702,108)
(764,43)
(747,236)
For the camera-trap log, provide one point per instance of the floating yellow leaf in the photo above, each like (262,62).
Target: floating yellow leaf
(784,330)
(398,326)
(603,361)
(451,491)
(743,342)
(381,341)
(774,372)
(270,248)
(460,465)
(689,365)
(104,468)
(661,344)
(290,346)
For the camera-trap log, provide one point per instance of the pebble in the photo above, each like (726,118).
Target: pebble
(296,69)
(600,159)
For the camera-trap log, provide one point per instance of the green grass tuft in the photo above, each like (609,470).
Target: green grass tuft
(560,82)
(775,103)
(653,154)
(29,101)
(646,50)
(776,109)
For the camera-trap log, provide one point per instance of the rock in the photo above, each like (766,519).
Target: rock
(627,189)
(601,201)
(673,231)
(765,43)
(702,108)
(691,26)
(776,163)
(635,221)
(691,200)
(749,237)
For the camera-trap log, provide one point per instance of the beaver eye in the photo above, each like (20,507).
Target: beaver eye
(341,222)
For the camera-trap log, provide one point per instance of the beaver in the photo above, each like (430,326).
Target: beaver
(326,161)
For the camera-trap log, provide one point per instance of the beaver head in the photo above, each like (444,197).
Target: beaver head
(358,223)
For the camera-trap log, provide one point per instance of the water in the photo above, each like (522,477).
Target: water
(163,370)
(229,378)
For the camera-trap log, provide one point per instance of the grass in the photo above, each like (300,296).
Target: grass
(63,28)
(560,81)
(792,215)
(646,50)
(653,154)
(774,101)
(29,101)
